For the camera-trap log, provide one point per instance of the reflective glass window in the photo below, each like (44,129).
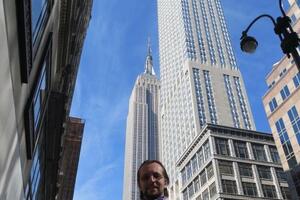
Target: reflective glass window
(212,190)
(203,178)
(281,175)
(241,149)
(274,154)
(205,195)
(250,189)
(225,167)
(285,92)
(245,170)
(222,146)
(269,191)
(210,171)
(295,121)
(273,104)
(39,14)
(264,172)
(284,139)
(286,193)
(296,80)
(259,152)
(229,187)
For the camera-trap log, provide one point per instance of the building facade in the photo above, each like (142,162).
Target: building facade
(41,44)
(70,157)
(200,80)
(282,106)
(231,163)
(142,127)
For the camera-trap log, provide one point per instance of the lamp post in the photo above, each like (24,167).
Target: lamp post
(282,27)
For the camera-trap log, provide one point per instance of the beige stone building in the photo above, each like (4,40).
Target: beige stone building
(282,106)
(40,49)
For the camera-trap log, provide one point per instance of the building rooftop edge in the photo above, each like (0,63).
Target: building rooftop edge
(211,126)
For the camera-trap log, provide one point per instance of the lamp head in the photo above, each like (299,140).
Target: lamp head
(248,43)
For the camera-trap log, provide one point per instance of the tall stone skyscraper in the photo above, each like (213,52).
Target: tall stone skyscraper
(142,127)
(200,80)
(208,140)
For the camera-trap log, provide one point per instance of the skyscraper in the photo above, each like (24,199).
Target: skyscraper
(200,80)
(142,127)
(282,106)
(208,140)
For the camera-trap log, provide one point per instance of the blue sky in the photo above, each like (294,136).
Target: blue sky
(114,54)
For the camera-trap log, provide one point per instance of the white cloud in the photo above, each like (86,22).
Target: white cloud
(92,188)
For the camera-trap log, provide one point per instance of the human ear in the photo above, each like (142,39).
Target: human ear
(166,183)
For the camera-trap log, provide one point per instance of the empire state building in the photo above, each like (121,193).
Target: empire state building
(209,145)
(142,127)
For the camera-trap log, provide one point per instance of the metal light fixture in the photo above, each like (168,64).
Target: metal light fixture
(282,27)
(248,44)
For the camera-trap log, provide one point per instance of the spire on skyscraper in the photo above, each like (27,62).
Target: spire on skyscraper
(149,61)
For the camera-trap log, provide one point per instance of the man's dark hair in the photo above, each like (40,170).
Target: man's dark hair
(148,162)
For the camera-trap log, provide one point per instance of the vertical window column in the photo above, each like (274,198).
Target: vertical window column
(276,183)
(268,154)
(231,148)
(207,33)
(220,51)
(286,144)
(236,168)
(212,144)
(295,121)
(296,80)
(226,36)
(231,101)
(199,97)
(243,104)
(189,39)
(199,33)
(258,181)
(249,148)
(210,97)
(238,178)
(217,175)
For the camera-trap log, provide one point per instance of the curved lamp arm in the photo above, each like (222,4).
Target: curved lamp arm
(257,18)
(281,8)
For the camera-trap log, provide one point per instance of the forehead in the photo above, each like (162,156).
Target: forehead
(153,167)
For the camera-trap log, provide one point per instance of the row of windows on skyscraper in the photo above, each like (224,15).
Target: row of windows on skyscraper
(190,50)
(211,100)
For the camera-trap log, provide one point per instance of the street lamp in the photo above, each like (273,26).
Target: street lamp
(282,27)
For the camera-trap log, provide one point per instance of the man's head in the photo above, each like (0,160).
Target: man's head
(152,180)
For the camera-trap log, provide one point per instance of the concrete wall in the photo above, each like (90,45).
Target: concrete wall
(11,182)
